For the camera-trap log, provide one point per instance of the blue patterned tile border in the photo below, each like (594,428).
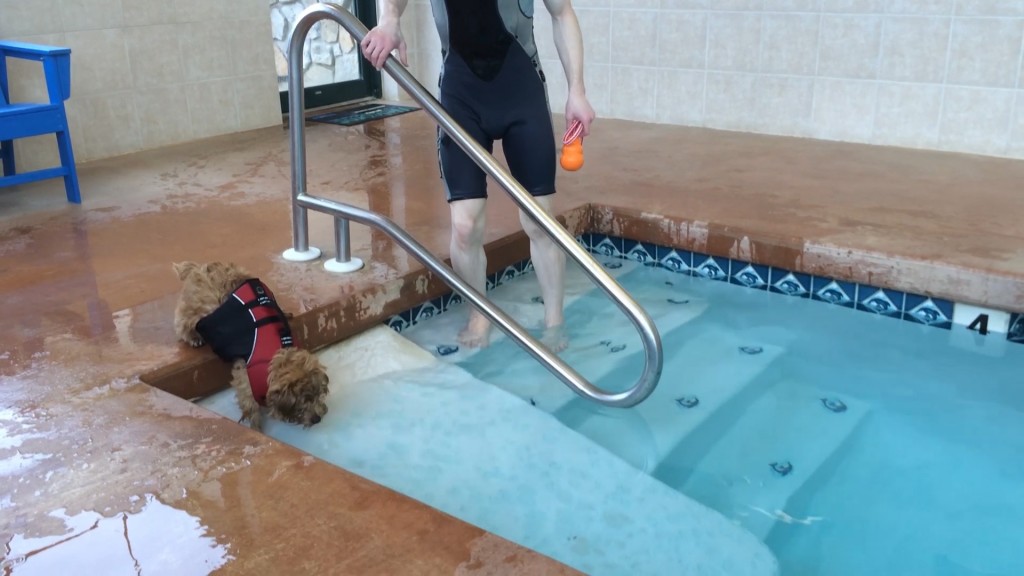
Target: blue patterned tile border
(906,306)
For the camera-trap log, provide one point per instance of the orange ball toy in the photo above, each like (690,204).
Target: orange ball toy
(572,147)
(572,155)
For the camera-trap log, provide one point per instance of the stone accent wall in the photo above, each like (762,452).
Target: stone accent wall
(329,55)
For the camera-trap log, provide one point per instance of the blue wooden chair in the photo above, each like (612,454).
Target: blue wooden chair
(21,120)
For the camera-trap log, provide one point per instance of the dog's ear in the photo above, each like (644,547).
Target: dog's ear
(183,269)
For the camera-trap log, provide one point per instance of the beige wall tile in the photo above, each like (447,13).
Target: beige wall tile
(729,100)
(163,116)
(930,7)
(251,46)
(734,41)
(258,103)
(782,105)
(633,93)
(206,51)
(99,62)
(852,6)
(989,8)
(108,125)
(908,114)
(844,109)
(976,120)
(90,14)
(21,18)
(790,43)
(849,46)
(791,5)
(150,12)
(684,4)
(629,27)
(682,40)
(985,52)
(211,107)
(596,29)
(154,54)
(914,48)
(1016,144)
(680,97)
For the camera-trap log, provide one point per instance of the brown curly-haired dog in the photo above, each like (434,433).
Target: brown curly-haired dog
(223,304)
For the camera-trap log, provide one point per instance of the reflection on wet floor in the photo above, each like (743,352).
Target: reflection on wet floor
(155,539)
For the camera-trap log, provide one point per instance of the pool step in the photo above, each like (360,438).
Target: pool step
(520,299)
(705,371)
(761,453)
(601,339)
(430,430)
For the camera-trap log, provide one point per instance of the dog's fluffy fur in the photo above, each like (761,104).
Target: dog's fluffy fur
(297,382)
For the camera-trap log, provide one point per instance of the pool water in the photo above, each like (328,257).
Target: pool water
(845,442)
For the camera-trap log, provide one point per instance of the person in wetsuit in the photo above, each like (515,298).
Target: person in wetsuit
(493,86)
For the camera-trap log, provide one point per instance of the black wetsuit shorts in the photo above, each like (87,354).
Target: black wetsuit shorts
(497,92)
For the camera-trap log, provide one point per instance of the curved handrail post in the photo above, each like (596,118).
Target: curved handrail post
(300,250)
(649,335)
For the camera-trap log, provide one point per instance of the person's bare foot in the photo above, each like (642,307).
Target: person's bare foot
(554,337)
(477,333)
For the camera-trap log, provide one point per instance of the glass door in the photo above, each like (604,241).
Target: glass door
(334,70)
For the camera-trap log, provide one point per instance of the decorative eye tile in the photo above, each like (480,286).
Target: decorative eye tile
(537,299)
(667,283)
(688,401)
(452,299)
(674,301)
(927,311)
(618,348)
(509,273)
(613,265)
(606,342)
(1016,332)
(606,247)
(750,275)
(838,293)
(677,261)
(752,350)
(637,251)
(834,404)
(782,468)
(397,323)
(789,283)
(425,311)
(883,302)
(710,269)
(447,349)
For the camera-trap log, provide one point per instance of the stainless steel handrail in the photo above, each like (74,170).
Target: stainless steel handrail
(301,202)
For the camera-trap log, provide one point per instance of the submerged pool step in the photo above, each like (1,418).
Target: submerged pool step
(430,430)
(601,339)
(519,298)
(703,373)
(765,452)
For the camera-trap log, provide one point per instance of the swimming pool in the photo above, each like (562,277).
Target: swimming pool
(849,443)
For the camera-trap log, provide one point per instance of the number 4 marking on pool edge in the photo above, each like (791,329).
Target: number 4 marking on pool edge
(980,324)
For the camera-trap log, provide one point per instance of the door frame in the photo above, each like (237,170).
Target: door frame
(368,85)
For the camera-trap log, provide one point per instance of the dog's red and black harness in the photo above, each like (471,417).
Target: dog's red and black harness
(251,326)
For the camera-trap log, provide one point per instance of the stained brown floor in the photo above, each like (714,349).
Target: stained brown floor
(89,293)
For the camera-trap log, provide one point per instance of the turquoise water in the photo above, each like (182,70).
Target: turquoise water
(850,443)
(846,443)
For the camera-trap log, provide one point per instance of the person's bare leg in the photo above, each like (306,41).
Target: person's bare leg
(549,262)
(470,262)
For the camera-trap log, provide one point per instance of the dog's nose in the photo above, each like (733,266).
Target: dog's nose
(316,419)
